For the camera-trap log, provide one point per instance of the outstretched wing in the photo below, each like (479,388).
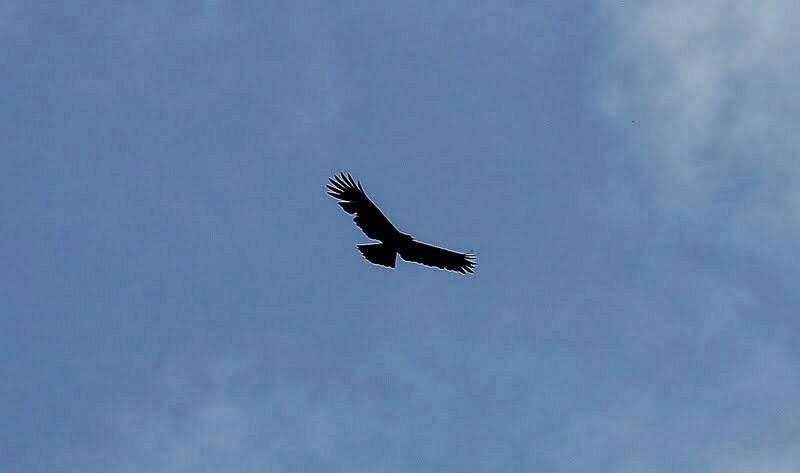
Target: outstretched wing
(430,255)
(354,201)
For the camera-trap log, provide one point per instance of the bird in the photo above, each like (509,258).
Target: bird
(368,217)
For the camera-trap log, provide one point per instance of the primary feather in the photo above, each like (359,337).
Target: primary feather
(354,201)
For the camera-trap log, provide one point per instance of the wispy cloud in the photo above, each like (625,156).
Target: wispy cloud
(712,87)
(705,95)
(597,386)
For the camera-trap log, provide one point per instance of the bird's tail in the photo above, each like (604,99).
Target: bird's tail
(378,253)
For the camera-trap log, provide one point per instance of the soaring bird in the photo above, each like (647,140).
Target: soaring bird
(393,242)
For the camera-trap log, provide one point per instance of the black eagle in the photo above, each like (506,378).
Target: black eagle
(375,225)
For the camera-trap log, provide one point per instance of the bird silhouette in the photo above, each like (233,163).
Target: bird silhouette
(369,218)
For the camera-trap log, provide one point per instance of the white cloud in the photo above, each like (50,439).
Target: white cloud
(208,414)
(739,425)
(712,85)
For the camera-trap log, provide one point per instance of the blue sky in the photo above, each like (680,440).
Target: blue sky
(179,294)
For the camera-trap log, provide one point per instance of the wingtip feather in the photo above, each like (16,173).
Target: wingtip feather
(336,184)
(345,181)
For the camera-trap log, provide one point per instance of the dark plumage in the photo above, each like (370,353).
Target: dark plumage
(375,225)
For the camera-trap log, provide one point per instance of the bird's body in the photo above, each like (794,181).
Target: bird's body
(393,242)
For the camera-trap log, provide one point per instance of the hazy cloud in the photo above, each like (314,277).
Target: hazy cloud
(711,86)
(704,98)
